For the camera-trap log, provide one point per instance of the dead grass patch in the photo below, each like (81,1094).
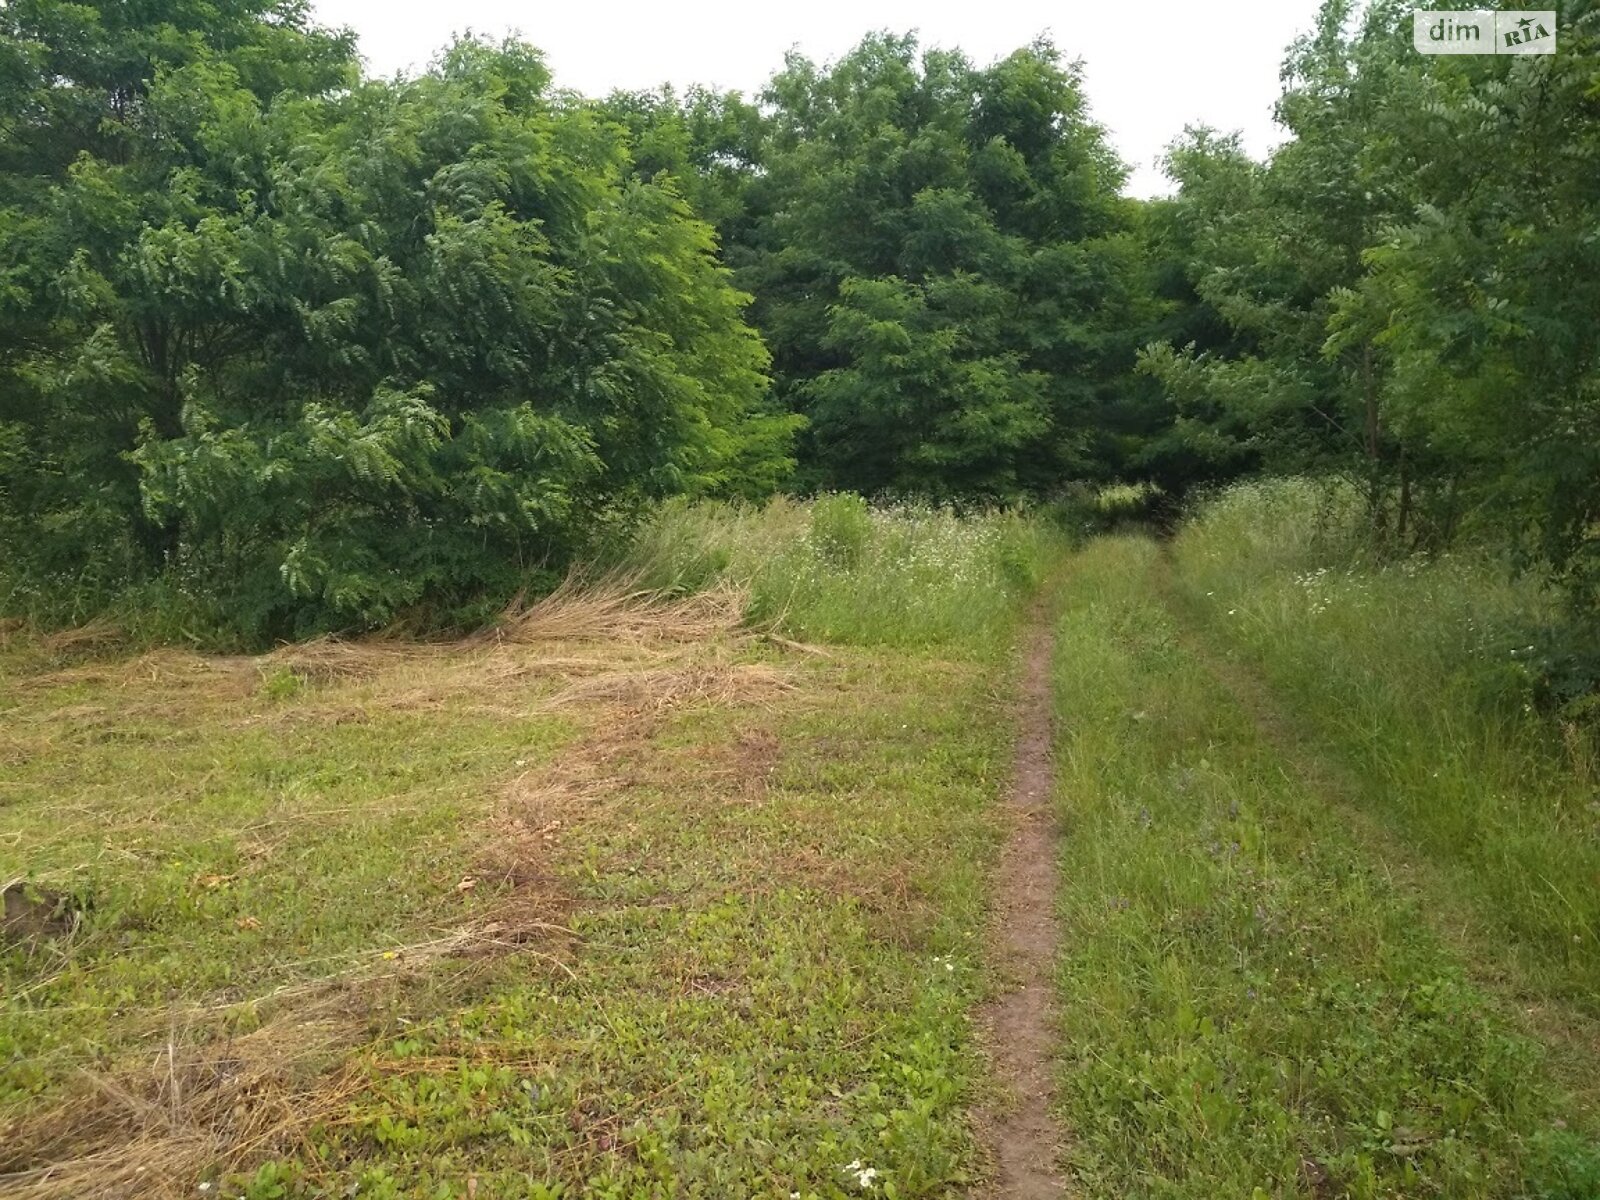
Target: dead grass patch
(617,609)
(224,677)
(615,613)
(93,637)
(212,1100)
(653,690)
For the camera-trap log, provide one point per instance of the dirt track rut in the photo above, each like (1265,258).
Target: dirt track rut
(1019,1025)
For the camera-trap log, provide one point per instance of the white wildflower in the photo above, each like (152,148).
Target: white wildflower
(865,1176)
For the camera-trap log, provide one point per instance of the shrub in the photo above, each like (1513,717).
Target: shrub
(320,351)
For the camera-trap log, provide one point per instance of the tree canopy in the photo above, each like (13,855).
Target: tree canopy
(944,269)
(1408,292)
(311,350)
(316,349)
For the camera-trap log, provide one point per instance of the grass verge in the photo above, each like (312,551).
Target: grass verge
(1413,674)
(836,569)
(1252,1007)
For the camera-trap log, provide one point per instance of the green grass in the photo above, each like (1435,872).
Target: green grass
(835,569)
(647,903)
(1413,673)
(632,912)
(768,983)
(1251,1006)
(227,838)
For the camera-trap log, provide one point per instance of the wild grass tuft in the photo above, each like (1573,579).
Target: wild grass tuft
(836,569)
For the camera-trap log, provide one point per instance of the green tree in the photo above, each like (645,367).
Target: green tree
(1408,287)
(317,350)
(943,269)
(709,143)
(1486,298)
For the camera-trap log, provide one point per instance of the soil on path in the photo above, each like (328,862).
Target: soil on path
(1019,1026)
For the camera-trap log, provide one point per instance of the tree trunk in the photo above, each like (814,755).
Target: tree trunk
(1404,517)
(1375,505)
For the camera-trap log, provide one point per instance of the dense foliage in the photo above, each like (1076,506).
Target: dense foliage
(307,351)
(315,350)
(943,267)
(1409,291)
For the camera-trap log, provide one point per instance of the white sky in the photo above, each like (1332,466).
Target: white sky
(1151,67)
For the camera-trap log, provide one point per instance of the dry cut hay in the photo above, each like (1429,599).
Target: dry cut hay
(92,637)
(208,1102)
(194,1108)
(617,609)
(584,631)
(163,668)
(653,690)
(611,610)
(335,660)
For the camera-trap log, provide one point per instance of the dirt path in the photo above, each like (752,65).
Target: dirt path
(1019,1026)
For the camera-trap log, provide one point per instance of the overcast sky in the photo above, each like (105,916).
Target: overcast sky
(1151,67)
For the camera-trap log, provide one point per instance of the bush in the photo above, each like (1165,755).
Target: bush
(317,352)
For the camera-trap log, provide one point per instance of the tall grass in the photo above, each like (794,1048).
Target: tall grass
(1416,672)
(1252,1008)
(836,569)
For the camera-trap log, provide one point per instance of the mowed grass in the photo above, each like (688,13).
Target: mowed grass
(1415,673)
(227,827)
(656,901)
(774,924)
(1251,1005)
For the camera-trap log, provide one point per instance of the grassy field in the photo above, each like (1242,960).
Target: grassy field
(1255,1005)
(1417,676)
(679,882)
(632,895)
